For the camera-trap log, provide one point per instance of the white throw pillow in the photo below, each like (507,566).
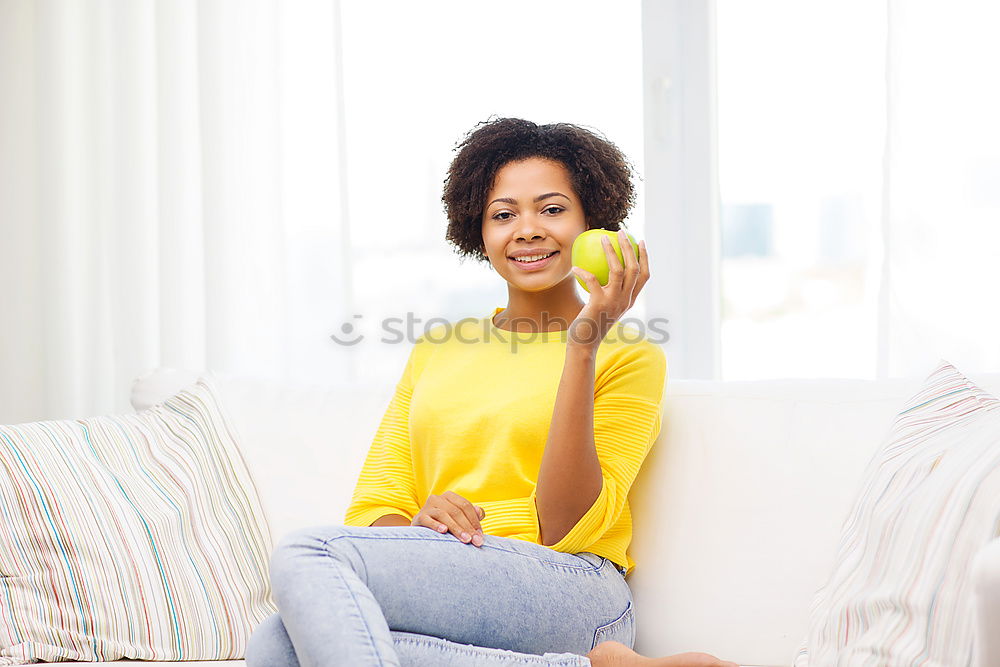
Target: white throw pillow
(900,592)
(132,536)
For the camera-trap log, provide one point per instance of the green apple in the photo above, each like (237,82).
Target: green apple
(588,253)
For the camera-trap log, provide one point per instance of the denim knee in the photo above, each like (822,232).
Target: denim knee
(296,543)
(270,646)
(310,536)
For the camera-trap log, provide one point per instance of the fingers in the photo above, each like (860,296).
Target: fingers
(452,513)
(424,518)
(631,271)
(468,518)
(616,273)
(593,284)
(630,276)
(642,273)
(442,515)
(643,262)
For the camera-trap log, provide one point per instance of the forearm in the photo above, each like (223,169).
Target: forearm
(569,479)
(391,520)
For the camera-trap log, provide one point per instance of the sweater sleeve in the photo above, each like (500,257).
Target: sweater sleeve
(386,482)
(627,419)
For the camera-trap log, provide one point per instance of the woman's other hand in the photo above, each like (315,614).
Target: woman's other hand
(450,512)
(608,303)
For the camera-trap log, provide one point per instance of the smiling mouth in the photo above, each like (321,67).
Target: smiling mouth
(538,263)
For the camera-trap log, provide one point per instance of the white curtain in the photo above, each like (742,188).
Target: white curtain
(941,226)
(169,195)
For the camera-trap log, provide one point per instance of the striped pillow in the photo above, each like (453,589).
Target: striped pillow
(136,536)
(900,592)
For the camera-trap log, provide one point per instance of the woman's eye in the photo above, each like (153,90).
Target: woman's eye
(497,216)
(554,209)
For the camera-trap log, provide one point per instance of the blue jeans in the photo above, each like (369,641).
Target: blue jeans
(410,596)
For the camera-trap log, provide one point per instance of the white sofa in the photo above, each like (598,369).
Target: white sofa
(737,511)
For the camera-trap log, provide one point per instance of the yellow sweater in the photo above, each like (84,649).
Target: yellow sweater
(471,414)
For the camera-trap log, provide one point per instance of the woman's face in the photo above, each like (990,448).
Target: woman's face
(532,207)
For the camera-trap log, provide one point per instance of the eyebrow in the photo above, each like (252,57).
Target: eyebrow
(511,200)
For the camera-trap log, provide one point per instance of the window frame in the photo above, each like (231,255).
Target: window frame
(682,191)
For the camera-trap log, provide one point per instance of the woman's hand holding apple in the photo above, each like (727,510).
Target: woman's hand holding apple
(609,302)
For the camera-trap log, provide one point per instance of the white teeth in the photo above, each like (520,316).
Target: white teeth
(532,258)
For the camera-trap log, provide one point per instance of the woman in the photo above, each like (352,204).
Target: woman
(490,521)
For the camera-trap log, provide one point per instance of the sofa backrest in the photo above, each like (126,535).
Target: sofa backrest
(304,444)
(737,511)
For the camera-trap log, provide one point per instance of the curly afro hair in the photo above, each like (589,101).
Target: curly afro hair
(600,173)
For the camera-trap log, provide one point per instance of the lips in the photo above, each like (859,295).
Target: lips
(536,265)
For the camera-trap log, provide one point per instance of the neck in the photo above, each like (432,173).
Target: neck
(550,310)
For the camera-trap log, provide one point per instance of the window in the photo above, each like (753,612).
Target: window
(801,119)
(557,62)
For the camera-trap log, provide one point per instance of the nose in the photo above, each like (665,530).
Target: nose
(529,227)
